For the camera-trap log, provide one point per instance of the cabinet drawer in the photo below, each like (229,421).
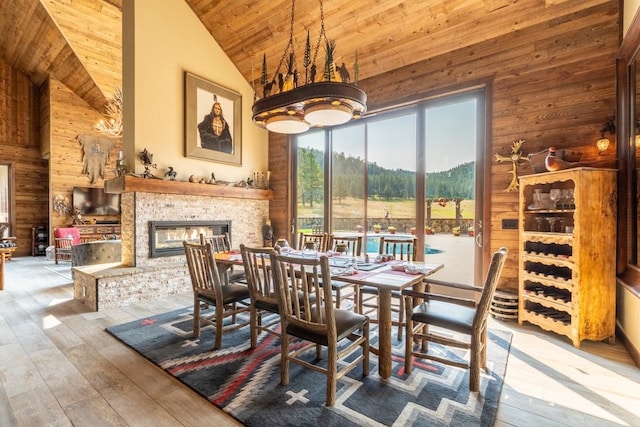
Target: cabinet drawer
(85,230)
(104,230)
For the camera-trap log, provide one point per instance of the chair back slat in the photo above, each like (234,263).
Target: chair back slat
(219,242)
(202,268)
(353,244)
(320,239)
(402,248)
(257,266)
(491,283)
(302,298)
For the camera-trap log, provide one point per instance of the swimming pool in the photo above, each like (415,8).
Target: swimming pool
(373,245)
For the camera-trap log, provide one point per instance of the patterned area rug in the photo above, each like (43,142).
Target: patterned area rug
(246,383)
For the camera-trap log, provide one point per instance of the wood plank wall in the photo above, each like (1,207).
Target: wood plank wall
(70,116)
(19,147)
(38,129)
(552,84)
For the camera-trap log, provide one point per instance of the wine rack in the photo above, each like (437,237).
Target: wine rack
(567,247)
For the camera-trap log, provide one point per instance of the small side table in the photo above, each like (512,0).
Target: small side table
(2,258)
(8,246)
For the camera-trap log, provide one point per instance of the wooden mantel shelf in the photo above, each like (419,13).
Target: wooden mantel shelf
(129,184)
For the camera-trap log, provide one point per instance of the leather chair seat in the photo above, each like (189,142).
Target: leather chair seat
(346,322)
(446,315)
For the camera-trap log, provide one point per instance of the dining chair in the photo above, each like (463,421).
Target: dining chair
(402,248)
(452,314)
(308,314)
(352,245)
(320,239)
(228,299)
(348,246)
(221,243)
(257,266)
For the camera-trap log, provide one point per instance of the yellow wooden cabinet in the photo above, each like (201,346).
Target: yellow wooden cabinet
(567,252)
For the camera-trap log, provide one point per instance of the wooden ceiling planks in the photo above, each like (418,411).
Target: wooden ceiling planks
(97,42)
(42,37)
(387,34)
(34,43)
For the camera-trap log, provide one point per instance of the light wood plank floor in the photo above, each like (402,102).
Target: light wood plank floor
(58,367)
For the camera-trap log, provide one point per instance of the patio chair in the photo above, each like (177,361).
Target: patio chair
(308,314)
(457,314)
(402,248)
(228,299)
(257,266)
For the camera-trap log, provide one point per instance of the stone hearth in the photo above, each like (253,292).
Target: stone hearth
(141,276)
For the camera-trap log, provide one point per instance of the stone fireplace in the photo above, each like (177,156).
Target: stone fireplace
(147,203)
(166,237)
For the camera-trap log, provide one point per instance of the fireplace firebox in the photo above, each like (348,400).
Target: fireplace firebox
(166,237)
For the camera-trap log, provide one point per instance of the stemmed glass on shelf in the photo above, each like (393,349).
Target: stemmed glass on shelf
(552,222)
(555,194)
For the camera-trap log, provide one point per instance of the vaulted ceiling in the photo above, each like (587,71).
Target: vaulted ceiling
(79,42)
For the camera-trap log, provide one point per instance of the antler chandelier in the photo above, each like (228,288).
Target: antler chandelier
(291,107)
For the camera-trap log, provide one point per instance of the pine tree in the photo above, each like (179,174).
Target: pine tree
(307,58)
(356,70)
(329,71)
(263,75)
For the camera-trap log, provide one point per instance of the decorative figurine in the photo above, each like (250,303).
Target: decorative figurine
(267,233)
(147,160)
(516,158)
(170,173)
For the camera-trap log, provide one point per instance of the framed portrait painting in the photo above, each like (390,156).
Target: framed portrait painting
(213,121)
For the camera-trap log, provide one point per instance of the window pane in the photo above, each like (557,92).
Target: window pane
(450,137)
(450,164)
(347,182)
(391,176)
(310,182)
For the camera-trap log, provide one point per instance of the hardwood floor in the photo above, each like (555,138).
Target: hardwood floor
(58,367)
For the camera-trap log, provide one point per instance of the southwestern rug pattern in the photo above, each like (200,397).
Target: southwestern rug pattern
(245,383)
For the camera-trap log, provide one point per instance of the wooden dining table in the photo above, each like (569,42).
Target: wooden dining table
(384,277)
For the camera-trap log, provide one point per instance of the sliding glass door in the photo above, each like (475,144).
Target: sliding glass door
(410,172)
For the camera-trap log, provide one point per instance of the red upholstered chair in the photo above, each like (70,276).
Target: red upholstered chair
(64,239)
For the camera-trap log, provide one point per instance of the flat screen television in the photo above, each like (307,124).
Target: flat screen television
(94,201)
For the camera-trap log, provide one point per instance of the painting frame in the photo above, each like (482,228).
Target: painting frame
(200,141)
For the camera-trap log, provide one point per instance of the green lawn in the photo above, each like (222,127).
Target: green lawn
(353,208)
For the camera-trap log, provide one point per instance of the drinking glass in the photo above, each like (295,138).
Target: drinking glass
(539,220)
(537,198)
(552,222)
(571,201)
(309,249)
(284,245)
(555,195)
